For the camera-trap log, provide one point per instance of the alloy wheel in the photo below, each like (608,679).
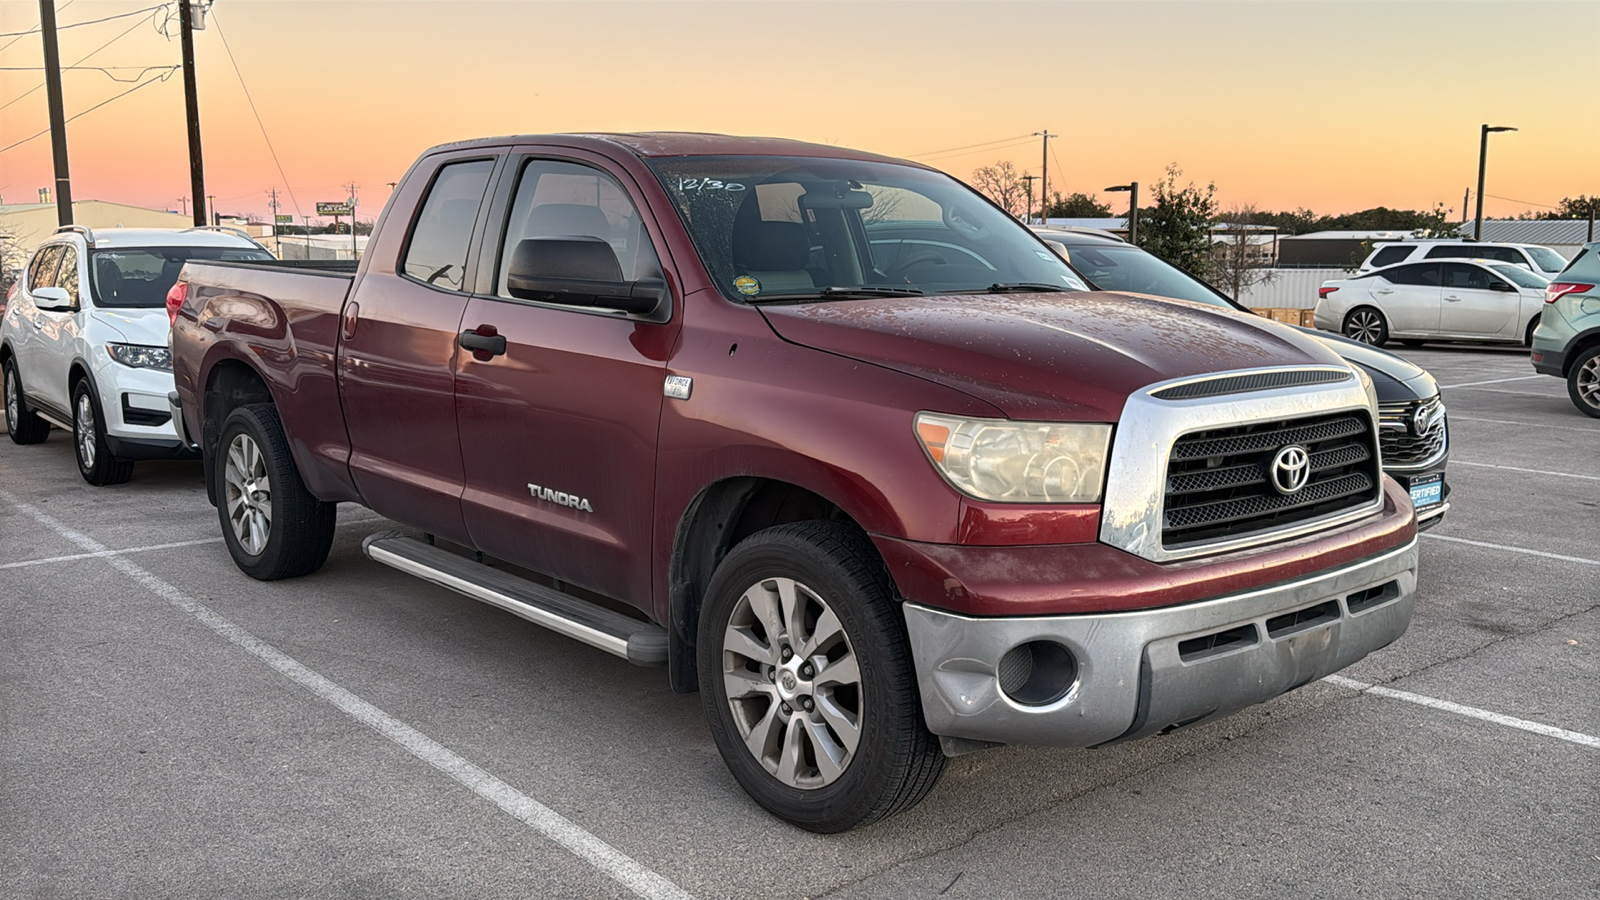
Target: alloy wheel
(1364,326)
(86,431)
(793,683)
(248,494)
(13,402)
(1588,382)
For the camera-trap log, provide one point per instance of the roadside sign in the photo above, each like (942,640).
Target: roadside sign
(283,219)
(333,209)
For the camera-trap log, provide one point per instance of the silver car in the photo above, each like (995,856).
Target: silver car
(1436,300)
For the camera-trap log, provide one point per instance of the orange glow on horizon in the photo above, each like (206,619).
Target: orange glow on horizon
(1281,104)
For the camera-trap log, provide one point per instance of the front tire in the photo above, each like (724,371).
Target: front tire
(1583,382)
(1366,325)
(24,426)
(807,679)
(95,462)
(273,526)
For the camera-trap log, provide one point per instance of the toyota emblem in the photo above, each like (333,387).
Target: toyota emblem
(1291,468)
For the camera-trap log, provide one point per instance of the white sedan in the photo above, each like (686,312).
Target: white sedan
(1438,300)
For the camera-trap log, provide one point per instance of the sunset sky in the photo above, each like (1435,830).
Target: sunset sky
(1332,106)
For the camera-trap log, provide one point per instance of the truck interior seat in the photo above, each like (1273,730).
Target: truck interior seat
(775,254)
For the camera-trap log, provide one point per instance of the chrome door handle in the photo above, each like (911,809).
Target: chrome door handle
(1453,299)
(1383,292)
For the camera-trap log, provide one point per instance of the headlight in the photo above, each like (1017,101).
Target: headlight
(140,356)
(1017,462)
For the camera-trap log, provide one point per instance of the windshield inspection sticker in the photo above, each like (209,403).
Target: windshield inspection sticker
(747,286)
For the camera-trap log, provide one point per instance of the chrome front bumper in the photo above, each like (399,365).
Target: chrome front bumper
(1146,672)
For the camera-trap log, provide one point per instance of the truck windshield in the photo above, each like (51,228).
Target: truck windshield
(139,277)
(794,228)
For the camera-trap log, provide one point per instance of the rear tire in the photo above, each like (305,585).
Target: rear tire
(1527,336)
(1366,325)
(1583,382)
(807,679)
(273,526)
(95,462)
(24,426)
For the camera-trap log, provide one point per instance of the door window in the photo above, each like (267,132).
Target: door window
(437,253)
(1421,274)
(67,275)
(43,272)
(561,199)
(1466,277)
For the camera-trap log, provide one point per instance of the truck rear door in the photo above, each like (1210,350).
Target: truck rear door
(558,433)
(398,347)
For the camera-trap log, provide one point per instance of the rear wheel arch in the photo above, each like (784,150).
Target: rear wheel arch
(1527,335)
(1576,347)
(229,385)
(720,516)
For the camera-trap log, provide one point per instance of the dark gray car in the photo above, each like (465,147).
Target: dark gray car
(1413,429)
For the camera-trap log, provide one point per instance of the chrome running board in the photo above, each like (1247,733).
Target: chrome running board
(637,641)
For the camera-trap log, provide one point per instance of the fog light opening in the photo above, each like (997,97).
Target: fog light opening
(1037,673)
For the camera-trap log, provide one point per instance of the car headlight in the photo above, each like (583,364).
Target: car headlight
(141,356)
(1017,462)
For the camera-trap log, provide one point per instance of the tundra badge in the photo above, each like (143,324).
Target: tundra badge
(560,498)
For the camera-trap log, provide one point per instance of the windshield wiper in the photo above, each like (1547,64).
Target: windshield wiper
(1013,287)
(865,290)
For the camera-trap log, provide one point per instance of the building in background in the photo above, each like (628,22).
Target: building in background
(1565,236)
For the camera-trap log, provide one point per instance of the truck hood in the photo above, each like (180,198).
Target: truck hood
(150,327)
(1048,356)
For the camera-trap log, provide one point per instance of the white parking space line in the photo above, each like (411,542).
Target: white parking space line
(1460,418)
(1457,462)
(1489,390)
(1572,559)
(597,853)
(1494,381)
(1576,737)
(102,553)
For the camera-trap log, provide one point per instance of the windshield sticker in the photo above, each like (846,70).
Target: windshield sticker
(689,185)
(747,286)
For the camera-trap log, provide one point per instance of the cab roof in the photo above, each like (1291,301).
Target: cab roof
(653,144)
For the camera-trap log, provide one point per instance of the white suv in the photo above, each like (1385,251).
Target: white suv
(1534,257)
(83,343)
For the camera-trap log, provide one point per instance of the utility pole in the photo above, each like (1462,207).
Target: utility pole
(216,218)
(1483,160)
(1593,202)
(273,193)
(191,104)
(1027,181)
(1044,178)
(354,190)
(1466,197)
(184,202)
(58,116)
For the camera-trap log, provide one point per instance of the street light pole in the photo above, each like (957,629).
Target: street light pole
(1483,158)
(1132,189)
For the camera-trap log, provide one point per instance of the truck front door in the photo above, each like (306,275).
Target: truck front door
(398,347)
(558,432)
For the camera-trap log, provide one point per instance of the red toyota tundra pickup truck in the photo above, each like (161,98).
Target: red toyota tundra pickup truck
(836,440)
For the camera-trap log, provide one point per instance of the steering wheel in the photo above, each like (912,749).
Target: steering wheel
(901,267)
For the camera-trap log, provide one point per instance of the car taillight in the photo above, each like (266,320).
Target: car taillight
(1325,291)
(1558,289)
(175,297)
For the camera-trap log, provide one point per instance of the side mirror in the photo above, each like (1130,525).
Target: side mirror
(52,298)
(578,271)
(1502,286)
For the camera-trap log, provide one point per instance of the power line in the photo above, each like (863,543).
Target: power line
(159,78)
(967,146)
(104,70)
(35,31)
(80,61)
(1528,202)
(216,20)
(22,34)
(957,155)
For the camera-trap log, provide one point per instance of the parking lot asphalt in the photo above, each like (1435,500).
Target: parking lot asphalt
(171,728)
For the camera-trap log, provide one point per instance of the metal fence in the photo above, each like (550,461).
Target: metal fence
(1290,288)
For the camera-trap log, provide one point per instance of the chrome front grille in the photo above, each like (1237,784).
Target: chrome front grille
(1401,445)
(1219,484)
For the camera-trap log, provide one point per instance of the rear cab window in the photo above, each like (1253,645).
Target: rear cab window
(436,253)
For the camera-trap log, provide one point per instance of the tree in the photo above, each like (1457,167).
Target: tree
(1077,206)
(1002,183)
(1579,207)
(13,256)
(1176,227)
(1238,262)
